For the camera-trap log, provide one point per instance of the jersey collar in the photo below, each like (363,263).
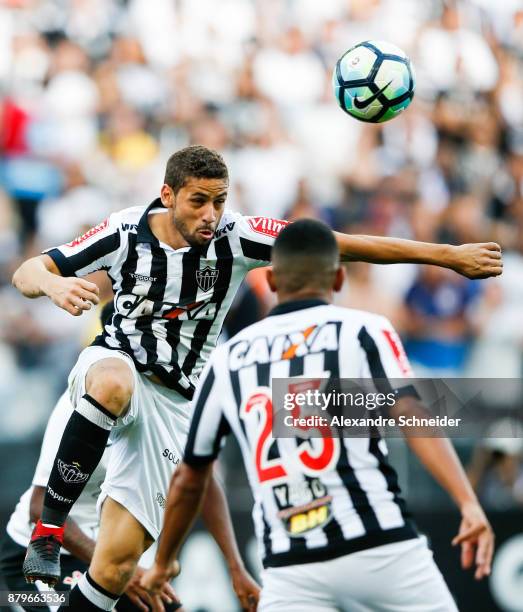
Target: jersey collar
(296,305)
(143,231)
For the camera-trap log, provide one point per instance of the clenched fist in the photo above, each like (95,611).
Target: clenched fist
(480,260)
(72,294)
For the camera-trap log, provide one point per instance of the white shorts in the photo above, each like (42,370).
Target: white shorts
(147,442)
(400,577)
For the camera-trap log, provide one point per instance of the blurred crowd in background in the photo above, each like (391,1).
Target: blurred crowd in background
(96,94)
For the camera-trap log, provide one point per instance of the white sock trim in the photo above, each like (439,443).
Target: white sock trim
(94,414)
(94,596)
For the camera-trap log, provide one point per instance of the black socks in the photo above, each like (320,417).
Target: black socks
(81,448)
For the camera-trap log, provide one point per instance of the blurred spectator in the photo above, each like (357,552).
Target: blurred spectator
(80,207)
(498,352)
(453,57)
(363,293)
(9,228)
(278,71)
(496,467)
(437,322)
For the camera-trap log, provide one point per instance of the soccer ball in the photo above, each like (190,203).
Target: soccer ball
(374,81)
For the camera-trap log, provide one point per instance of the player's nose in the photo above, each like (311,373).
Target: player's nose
(209,214)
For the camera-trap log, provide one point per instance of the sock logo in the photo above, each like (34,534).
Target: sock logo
(71,472)
(59,498)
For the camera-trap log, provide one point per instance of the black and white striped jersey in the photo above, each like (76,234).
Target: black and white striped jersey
(169,304)
(315,498)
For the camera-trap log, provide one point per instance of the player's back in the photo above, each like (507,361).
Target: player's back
(315,497)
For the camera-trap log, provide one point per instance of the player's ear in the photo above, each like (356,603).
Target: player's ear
(270,279)
(167,196)
(339,279)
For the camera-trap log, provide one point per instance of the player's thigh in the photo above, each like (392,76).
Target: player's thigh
(400,577)
(294,589)
(146,452)
(121,540)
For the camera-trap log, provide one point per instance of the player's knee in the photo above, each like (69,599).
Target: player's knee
(115,576)
(111,387)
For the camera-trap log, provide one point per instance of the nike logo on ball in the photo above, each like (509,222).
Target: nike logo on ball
(361,104)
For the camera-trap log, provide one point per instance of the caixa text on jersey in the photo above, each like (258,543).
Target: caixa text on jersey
(135,306)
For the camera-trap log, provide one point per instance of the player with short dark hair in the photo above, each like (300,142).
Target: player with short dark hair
(197,162)
(333,531)
(318,263)
(175,267)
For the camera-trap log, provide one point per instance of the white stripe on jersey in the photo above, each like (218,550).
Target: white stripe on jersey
(169,304)
(373,482)
(343,504)
(305,510)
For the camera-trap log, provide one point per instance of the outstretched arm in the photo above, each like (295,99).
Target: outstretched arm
(480,260)
(437,454)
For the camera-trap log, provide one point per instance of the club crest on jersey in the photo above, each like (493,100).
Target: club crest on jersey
(267,226)
(207,278)
(71,472)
